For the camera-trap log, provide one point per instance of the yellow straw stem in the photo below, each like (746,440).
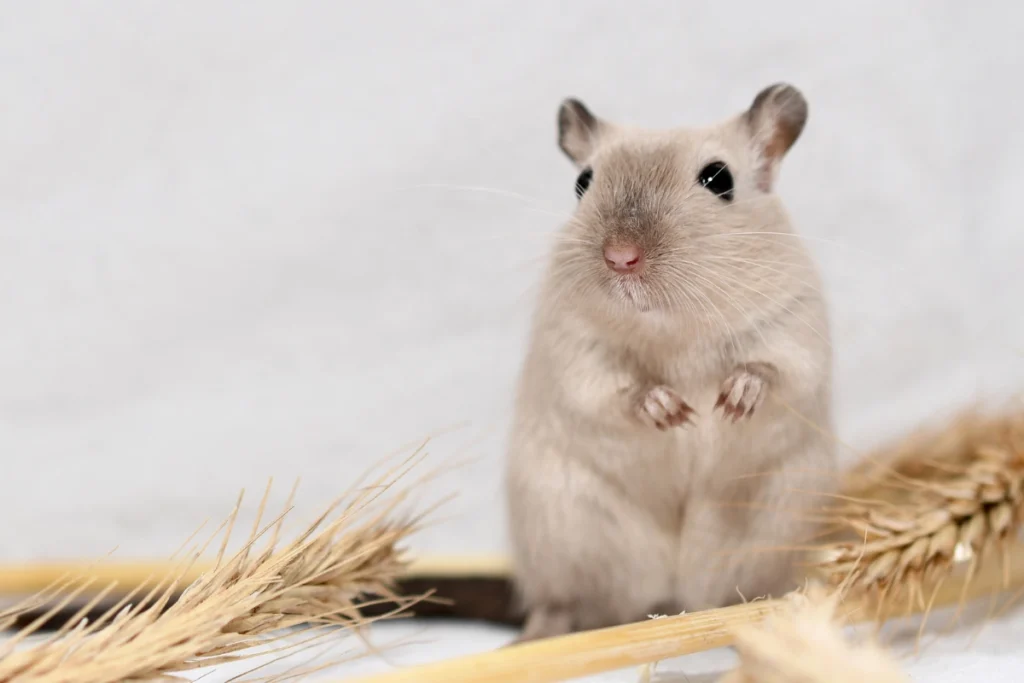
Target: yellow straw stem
(620,647)
(29,579)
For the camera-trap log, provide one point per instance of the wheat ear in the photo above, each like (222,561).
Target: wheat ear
(244,600)
(958,509)
(804,643)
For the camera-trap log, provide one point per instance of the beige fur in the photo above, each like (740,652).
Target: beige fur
(631,488)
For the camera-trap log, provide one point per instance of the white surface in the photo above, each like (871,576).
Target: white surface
(221,261)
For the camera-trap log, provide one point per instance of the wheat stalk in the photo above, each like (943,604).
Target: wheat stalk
(630,645)
(923,515)
(348,553)
(804,643)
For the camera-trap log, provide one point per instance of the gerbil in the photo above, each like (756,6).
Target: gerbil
(673,411)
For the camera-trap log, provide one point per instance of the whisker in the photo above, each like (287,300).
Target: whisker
(809,326)
(795,236)
(731,300)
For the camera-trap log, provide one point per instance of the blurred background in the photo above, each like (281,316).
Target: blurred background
(243,240)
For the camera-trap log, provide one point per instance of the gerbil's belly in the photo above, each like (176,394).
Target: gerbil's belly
(654,471)
(629,521)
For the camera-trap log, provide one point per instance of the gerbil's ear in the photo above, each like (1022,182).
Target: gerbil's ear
(578,130)
(775,120)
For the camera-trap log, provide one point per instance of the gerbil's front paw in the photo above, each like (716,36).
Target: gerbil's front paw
(662,408)
(742,393)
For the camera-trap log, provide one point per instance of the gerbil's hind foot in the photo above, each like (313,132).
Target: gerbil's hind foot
(743,392)
(662,408)
(545,622)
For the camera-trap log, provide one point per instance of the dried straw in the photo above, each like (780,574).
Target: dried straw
(620,647)
(244,600)
(914,512)
(30,579)
(804,643)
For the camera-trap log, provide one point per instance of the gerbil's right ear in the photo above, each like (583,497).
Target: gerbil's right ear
(775,120)
(578,130)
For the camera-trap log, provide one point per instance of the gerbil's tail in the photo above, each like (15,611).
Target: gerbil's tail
(474,588)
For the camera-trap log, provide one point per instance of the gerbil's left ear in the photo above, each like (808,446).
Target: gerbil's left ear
(775,120)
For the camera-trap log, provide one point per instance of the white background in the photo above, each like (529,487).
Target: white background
(238,240)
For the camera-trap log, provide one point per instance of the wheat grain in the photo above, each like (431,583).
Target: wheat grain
(350,552)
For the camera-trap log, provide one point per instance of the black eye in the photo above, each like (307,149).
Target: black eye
(583,182)
(717,179)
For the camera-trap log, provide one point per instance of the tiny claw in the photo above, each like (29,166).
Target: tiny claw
(742,392)
(663,409)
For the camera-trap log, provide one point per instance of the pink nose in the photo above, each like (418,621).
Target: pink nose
(623,258)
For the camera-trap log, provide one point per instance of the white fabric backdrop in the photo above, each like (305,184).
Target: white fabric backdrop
(226,253)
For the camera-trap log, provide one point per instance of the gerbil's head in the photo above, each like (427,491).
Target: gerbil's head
(667,218)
